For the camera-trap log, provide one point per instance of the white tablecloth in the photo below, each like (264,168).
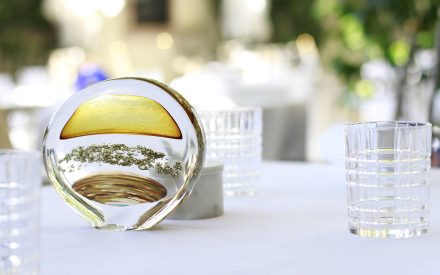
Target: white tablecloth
(296,225)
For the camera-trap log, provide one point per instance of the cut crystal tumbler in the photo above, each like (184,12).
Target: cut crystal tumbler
(233,137)
(20,182)
(387,172)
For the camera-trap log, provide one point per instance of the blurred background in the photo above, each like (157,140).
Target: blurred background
(310,65)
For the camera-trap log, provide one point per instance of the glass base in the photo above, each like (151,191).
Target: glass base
(388,233)
(112,227)
(239,192)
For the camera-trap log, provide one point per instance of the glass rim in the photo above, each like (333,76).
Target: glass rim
(234,109)
(389,123)
(16,152)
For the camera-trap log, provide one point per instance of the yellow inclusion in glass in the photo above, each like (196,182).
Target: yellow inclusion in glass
(121,114)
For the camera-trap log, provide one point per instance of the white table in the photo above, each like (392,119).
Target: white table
(295,225)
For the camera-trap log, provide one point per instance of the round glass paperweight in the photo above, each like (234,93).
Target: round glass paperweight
(124,152)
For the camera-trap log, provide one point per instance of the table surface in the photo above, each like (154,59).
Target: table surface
(296,224)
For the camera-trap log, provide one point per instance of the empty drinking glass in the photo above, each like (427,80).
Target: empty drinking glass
(233,137)
(387,171)
(20,181)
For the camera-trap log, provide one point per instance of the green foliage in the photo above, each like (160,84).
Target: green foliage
(26,37)
(290,19)
(352,32)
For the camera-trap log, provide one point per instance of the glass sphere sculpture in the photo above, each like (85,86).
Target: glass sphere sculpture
(124,152)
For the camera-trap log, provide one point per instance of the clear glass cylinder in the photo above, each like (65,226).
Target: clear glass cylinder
(20,182)
(234,137)
(387,172)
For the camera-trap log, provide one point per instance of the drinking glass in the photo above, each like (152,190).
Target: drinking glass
(233,137)
(20,182)
(387,172)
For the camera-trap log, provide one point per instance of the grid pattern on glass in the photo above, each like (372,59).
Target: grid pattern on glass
(20,182)
(234,138)
(387,172)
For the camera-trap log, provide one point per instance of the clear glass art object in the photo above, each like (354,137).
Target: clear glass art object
(111,148)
